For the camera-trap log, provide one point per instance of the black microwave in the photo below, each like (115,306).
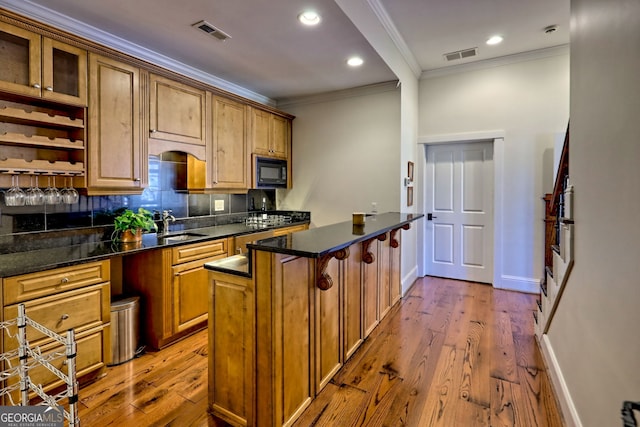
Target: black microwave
(271,173)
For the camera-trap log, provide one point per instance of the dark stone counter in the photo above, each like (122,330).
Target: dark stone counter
(22,254)
(316,242)
(319,241)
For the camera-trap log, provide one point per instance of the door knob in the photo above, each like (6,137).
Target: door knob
(430,217)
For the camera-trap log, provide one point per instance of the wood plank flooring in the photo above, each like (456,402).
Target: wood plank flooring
(451,353)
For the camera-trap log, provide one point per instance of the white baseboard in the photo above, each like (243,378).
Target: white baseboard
(408,279)
(520,284)
(567,407)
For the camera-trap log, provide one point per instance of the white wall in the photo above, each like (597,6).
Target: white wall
(346,154)
(529,101)
(594,334)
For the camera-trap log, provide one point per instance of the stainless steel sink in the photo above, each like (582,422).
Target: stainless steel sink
(180,237)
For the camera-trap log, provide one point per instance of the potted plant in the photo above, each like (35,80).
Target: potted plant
(129,225)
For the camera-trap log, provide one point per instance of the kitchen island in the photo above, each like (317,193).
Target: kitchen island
(286,317)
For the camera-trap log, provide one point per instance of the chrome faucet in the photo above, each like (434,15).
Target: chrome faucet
(166,218)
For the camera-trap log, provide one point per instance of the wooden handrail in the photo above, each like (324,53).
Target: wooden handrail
(563,172)
(552,203)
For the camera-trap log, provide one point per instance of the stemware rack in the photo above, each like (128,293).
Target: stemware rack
(41,138)
(30,358)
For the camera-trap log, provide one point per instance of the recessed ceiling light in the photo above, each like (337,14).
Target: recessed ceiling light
(355,61)
(494,40)
(309,18)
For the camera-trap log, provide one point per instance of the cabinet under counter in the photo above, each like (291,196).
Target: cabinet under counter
(172,284)
(280,333)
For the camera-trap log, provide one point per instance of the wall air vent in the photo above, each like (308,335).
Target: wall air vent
(211,30)
(461,54)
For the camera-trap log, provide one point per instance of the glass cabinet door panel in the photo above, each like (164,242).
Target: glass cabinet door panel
(20,64)
(64,72)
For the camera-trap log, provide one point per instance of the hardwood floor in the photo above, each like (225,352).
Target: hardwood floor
(450,353)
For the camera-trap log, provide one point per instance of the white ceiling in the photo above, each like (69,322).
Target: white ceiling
(271,54)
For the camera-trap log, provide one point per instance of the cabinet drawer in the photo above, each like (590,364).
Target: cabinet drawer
(240,242)
(80,309)
(43,283)
(199,250)
(90,357)
(286,230)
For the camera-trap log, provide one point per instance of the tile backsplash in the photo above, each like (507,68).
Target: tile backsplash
(167,175)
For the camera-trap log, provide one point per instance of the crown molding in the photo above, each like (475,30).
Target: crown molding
(63,22)
(336,95)
(386,21)
(498,62)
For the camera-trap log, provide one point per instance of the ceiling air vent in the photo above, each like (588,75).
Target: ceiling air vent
(461,54)
(211,30)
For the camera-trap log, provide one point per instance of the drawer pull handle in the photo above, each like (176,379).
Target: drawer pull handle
(64,317)
(64,280)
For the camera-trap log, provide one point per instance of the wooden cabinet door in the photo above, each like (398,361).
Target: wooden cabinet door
(177,112)
(280,134)
(230,156)
(395,284)
(260,132)
(292,337)
(328,327)
(20,68)
(270,134)
(352,300)
(232,332)
(38,66)
(190,290)
(240,242)
(64,72)
(384,277)
(370,287)
(117,158)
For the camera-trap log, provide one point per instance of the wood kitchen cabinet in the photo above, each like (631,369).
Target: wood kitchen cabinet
(117,152)
(177,114)
(353,334)
(277,338)
(229,167)
(270,134)
(328,326)
(173,288)
(75,297)
(38,66)
(240,242)
(370,283)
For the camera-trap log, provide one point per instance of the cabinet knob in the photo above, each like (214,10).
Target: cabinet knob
(49,88)
(36,85)
(136,179)
(64,280)
(64,317)
(152,130)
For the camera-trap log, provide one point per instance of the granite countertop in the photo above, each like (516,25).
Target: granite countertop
(319,241)
(84,245)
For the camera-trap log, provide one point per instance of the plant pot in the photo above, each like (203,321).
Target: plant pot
(128,236)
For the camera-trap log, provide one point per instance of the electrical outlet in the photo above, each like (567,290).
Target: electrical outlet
(218,205)
(374,207)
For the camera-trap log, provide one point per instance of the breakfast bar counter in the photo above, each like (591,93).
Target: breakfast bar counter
(285,318)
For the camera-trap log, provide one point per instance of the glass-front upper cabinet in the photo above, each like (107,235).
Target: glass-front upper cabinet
(33,65)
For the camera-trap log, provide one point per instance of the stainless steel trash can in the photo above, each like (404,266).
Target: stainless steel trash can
(125,333)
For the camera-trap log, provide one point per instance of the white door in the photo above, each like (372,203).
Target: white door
(459,199)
